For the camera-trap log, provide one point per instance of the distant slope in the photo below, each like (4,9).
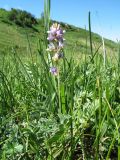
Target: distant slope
(12,35)
(15,36)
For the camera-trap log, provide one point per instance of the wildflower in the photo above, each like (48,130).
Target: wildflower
(54,71)
(55,38)
(55,32)
(54,28)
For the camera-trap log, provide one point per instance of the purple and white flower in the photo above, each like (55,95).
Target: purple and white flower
(55,32)
(54,71)
(55,38)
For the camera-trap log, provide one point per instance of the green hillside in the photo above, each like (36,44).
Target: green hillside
(15,36)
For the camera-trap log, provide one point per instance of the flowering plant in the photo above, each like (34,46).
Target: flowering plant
(55,38)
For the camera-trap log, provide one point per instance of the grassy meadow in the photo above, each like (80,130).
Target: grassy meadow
(72,116)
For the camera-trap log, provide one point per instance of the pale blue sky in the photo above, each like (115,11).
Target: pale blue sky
(105,14)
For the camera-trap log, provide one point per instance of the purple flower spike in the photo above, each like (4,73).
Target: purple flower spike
(54,71)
